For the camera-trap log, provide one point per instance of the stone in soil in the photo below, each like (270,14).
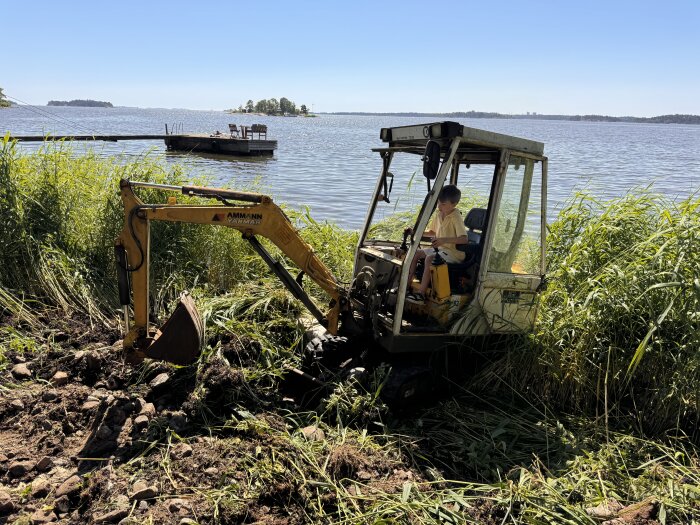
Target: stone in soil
(175,505)
(21,371)
(62,505)
(110,517)
(313,433)
(159,382)
(6,504)
(40,488)
(141,422)
(141,490)
(44,464)
(69,487)
(17,404)
(182,450)
(18,469)
(59,379)
(89,405)
(148,409)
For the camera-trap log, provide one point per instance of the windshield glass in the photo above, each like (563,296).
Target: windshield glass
(405,199)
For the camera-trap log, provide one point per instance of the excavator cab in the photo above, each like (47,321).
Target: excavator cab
(494,290)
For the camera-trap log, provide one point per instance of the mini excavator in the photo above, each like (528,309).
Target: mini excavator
(491,295)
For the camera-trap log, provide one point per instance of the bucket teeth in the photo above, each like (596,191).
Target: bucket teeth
(181,338)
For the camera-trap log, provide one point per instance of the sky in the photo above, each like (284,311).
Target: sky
(620,58)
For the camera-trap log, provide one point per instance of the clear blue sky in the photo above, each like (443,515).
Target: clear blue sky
(608,57)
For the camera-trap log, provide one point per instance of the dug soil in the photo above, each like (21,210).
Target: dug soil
(87,438)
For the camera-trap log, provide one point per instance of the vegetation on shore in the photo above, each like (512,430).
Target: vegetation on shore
(272,106)
(600,404)
(81,103)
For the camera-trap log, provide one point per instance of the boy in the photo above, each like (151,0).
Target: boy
(446,231)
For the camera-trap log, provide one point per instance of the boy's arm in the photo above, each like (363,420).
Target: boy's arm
(439,241)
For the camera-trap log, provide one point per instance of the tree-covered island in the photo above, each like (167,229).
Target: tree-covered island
(273,107)
(81,103)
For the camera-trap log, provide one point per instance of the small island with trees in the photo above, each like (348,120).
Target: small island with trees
(81,103)
(273,107)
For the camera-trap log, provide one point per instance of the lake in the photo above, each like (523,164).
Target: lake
(326,163)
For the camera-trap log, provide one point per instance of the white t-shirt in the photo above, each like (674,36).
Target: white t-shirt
(452,225)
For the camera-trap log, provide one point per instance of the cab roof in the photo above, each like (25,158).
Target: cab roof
(415,137)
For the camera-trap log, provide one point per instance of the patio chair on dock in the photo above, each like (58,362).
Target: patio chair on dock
(233,129)
(260,129)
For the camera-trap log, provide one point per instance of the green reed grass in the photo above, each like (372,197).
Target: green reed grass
(619,325)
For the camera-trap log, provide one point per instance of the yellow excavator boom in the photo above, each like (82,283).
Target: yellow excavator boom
(253,215)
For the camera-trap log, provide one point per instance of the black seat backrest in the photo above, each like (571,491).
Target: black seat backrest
(474,222)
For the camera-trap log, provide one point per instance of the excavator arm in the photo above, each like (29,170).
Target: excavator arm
(181,337)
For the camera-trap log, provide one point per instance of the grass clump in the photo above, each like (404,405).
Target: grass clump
(619,325)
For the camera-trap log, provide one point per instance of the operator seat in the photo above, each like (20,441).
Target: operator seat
(463,275)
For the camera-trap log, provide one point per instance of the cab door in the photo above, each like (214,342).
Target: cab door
(513,263)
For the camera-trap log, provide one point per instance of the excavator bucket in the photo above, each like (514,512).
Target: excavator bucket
(181,338)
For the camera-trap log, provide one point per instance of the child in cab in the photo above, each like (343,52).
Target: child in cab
(446,230)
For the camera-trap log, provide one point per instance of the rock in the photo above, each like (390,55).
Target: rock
(89,405)
(40,488)
(140,422)
(17,404)
(143,505)
(6,504)
(175,505)
(148,409)
(44,464)
(141,490)
(182,450)
(59,379)
(211,471)
(313,433)
(605,510)
(21,371)
(43,516)
(61,505)
(188,521)
(18,469)
(70,486)
(159,381)
(49,395)
(647,509)
(110,517)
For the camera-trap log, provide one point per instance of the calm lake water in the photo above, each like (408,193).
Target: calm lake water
(326,163)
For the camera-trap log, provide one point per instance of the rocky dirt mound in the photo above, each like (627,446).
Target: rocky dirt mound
(87,438)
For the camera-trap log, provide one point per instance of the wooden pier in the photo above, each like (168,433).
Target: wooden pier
(219,143)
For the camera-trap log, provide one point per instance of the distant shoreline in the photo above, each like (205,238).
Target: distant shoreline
(81,103)
(661,119)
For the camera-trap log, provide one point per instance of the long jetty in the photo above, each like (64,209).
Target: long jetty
(105,138)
